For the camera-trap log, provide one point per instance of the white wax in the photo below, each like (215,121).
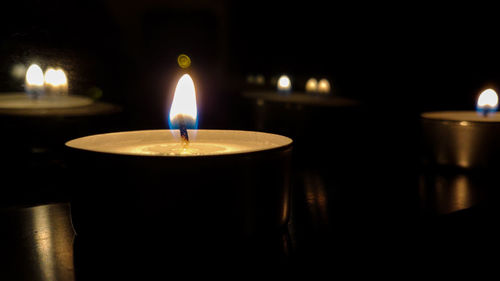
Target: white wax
(23,101)
(461,116)
(168,142)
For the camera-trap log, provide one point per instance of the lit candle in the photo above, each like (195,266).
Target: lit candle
(34,81)
(207,167)
(284,84)
(182,120)
(43,92)
(464,138)
(312,85)
(323,86)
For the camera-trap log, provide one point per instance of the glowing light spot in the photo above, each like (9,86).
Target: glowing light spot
(488,98)
(18,70)
(259,79)
(324,86)
(284,83)
(487,103)
(184,103)
(312,85)
(34,76)
(183,61)
(55,77)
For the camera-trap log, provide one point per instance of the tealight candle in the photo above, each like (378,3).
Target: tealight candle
(44,92)
(235,183)
(465,139)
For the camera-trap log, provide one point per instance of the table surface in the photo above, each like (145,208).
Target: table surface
(361,200)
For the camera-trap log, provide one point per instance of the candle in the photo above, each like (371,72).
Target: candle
(235,183)
(43,92)
(466,139)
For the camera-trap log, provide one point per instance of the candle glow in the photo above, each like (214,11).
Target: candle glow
(56,82)
(183,109)
(284,83)
(34,81)
(487,102)
(34,76)
(323,86)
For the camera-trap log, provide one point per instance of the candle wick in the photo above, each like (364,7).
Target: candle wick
(183,131)
(485,112)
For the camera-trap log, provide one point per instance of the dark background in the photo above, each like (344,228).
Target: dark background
(407,57)
(398,60)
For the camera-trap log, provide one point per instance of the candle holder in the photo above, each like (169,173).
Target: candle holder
(225,204)
(461,139)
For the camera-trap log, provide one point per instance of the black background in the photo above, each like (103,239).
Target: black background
(397,59)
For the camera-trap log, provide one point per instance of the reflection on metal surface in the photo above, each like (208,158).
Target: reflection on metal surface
(316,197)
(444,194)
(41,240)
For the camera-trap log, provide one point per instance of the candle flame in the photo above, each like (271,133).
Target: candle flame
(487,102)
(284,83)
(55,77)
(183,107)
(312,85)
(324,86)
(34,76)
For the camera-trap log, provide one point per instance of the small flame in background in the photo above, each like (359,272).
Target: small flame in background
(55,77)
(312,85)
(324,86)
(184,104)
(284,84)
(56,82)
(34,76)
(487,103)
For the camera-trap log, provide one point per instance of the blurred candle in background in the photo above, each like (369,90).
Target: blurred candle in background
(487,103)
(56,82)
(259,79)
(466,138)
(324,86)
(312,85)
(284,84)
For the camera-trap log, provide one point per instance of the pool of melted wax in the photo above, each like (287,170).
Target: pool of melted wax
(191,149)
